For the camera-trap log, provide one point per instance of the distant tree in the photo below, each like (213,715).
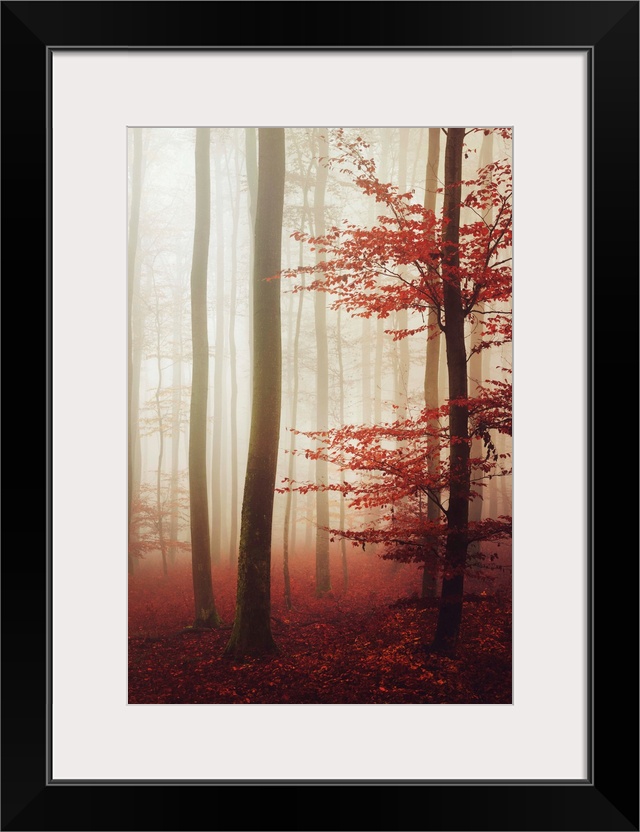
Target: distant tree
(218,361)
(289,527)
(431,391)
(132,249)
(206,613)
(251,632)
(323,575)
(176,403)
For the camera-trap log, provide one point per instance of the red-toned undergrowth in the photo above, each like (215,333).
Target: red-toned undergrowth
(363,645)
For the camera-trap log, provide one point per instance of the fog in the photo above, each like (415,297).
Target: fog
(373,378)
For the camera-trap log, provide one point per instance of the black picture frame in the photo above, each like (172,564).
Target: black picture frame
(608,798)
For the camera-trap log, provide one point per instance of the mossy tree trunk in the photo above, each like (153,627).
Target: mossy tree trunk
(251,634)
(206,613)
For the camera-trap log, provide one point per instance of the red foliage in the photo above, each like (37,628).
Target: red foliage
(353,647)
(397,265)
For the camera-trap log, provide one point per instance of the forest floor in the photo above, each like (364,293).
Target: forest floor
(362,646)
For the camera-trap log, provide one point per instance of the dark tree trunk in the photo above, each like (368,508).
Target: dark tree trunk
(132,249)
(450,614)
(206,613)
(251,634)
(323,576)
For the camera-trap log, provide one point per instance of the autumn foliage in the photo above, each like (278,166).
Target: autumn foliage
(397,264)
(363,646)
(423,611)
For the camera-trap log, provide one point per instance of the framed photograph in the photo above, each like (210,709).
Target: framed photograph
(89,745)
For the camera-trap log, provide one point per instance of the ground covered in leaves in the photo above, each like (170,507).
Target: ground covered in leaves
(365,645)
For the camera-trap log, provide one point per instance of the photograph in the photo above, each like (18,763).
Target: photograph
(319,387)
(333,306)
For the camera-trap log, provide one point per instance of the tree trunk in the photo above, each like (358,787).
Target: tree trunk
(158,398)
(431,391)
(450,614)
(402,315)
(233,414)
(323,577)
(366,371)
(343,542)
(206,613)
(218,369)
(294,414)
(251,632)
(132,249)
(251,153)
(310,509)
(291,462)
(476,371)
(176,407)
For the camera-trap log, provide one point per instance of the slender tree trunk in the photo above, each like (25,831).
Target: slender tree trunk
(206,613)
(251,632)
(158,397)
(377,373)
(450,614)
(218,368)
(138,339)
(323,577)
(233,415)
(343,542)
(494,482)
(431,391)
(380,337)
(416,157)
(294,415)
(366,348)
(310,510)
(176,406)
(476,358)
(251,151)
(402,316)
(132,249)
(366,371)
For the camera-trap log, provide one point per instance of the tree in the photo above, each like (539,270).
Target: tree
(453,309)
(251,632)
(323,575)
(431,391)
(233,401)
(132,249)
(289,527)
(206,613)
(413,261)
(218,371)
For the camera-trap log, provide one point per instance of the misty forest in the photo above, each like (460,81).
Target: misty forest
(319,397)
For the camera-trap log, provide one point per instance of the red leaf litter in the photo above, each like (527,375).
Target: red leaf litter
(365,645)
